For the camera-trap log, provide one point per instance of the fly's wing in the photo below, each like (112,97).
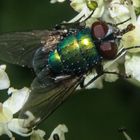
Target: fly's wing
(19,47)
(46,95)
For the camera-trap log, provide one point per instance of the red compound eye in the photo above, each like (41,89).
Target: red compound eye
(108,50)
(99,29)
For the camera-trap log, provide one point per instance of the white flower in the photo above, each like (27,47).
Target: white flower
(98,83)
(132,65)
(85,8)
(132,59)
(118,12)
(114,11)
(12,105)
(132,38)
(17,99)
(8,124)
(38,135)
(136,3)
(59,132)
(112,77)
(4,79)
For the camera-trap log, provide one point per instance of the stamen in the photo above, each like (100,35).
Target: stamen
(79,16)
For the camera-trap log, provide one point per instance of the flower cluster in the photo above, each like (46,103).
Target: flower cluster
(12,105)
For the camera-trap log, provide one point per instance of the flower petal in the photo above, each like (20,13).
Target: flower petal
(4,79)
(84,9)
(119,11)
(132,66)
(78,5)
(136,3)
(59,131)
(132,39)
(38,135)
(112,77)
(17,100)
(98,83)
(14,126)
(4,130)
(5,114)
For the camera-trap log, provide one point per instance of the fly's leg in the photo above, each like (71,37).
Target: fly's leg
(120,75)
(120,23)
(92,80)
(82,82)
(101,72)
(124,50)
(105,72)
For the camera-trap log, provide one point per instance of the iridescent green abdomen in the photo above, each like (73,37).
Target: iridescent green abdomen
(76,54)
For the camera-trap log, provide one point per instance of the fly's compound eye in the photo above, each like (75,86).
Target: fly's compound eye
(99,29)
(108,49)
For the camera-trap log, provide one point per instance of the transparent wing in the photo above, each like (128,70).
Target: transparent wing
(19,47)
(46,95)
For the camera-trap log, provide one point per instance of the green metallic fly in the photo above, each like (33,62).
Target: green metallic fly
(60,59)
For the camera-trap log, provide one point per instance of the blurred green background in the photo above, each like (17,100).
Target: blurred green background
(89,114)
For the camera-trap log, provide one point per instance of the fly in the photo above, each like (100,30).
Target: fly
(60,59)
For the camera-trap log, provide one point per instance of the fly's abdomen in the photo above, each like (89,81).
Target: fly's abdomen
(54,62)
(76,54)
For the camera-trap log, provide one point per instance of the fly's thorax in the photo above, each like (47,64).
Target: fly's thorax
(88,47)
(76,54)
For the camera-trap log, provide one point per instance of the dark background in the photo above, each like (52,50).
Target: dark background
(89,114)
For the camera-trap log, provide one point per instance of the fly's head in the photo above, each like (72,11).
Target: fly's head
(107,38)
